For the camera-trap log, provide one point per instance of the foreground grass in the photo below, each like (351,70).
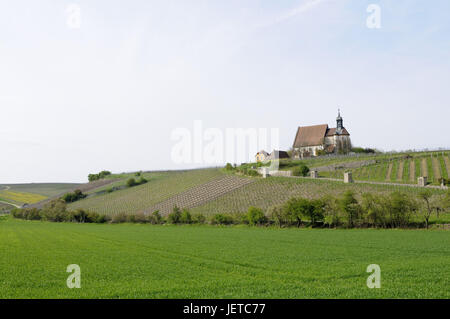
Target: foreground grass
(143,261)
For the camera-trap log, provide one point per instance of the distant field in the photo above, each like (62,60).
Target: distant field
(45,189)
(144,261)
(20,197)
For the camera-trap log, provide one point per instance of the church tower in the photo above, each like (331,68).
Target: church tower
(339,123)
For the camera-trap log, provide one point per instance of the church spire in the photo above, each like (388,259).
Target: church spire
(339,123)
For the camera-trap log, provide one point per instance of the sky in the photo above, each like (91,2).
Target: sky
(93,84)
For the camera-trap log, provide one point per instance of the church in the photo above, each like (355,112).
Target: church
(318,140)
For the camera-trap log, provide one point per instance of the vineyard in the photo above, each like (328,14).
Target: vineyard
(400,169)
(160,187)
(201,194)
(276,190)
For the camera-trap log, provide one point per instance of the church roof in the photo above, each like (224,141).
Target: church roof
(314,135)
(310,135)
(332,131)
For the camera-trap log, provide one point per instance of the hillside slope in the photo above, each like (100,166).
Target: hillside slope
(160,187)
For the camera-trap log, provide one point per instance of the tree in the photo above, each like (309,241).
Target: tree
(348,204)
(276,213)
(426,197)
(301,170)
(255,216)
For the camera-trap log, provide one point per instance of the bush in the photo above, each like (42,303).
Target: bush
(301,170)
(131,182)
(222,219)
(156,218)
(55,211)
(175,216)
(102,174)
(252,172)
(142,180)
(119,218)
(73,197)
(255,216)
(229,167)
(185,217)
(198,219)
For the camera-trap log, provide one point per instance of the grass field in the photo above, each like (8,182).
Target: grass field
(144,261)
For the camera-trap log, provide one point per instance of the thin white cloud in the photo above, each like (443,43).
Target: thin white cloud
(304,7)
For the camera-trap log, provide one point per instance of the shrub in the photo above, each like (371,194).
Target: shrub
(222,219)
(119,218)
(131,182)
(156,218)
(301,170)
(55,211)
(229,167)
(175,216)
(73,197)
(252,172)
(185,217)
(142,180)
(255,216)
(198,218)
(102,174)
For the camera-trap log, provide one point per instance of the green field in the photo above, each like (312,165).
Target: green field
(143,261)
(45,189)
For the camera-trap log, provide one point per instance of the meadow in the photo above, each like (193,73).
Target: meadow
(154,261)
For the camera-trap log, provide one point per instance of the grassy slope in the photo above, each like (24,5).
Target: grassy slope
(143,261)
(161,186)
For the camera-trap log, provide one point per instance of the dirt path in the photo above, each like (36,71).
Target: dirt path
(436,168)
(368,182)
(17,206)
(389,172)
(412,171)
(424,167)
(400,170)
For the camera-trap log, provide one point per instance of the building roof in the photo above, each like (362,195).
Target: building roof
(332,131)
(310,135)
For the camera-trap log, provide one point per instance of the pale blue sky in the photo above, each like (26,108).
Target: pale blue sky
(109,94)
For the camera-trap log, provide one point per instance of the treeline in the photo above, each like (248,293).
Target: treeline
(394,210)
(101,175)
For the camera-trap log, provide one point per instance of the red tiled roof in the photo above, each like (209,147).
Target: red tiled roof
(310,135)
